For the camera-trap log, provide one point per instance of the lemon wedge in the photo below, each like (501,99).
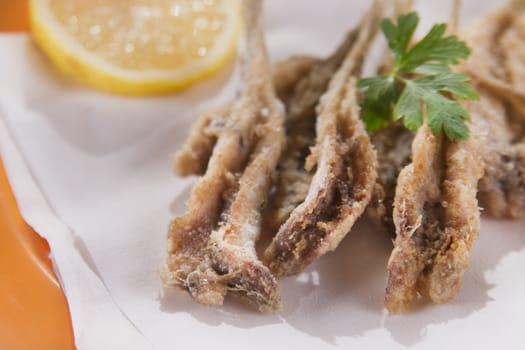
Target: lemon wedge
(136,47)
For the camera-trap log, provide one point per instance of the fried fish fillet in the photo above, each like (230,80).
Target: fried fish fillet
(345,169)
(436,216)
(293,177)
(211,248)
(498,44)
(193,157)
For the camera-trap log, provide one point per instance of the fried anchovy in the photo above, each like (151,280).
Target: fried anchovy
(436,216)
(193,157)
(211,248)
(498,119)
(293,178)
(345,169)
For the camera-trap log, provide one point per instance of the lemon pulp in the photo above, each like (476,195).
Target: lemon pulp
(118,45)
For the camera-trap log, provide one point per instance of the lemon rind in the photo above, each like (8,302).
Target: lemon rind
(87,68)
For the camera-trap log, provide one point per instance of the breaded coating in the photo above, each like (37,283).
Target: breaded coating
(193,156)
(436,216)
(498,46)
(345,169)
(293,177)
(211,248)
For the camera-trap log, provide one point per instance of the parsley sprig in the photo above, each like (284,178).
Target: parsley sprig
(420,76)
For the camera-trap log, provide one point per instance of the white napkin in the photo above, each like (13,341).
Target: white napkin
(92,174)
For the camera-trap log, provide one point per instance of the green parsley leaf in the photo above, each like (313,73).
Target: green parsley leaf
(454,83)
(376,115)
(441,112)
(421,86)
(379,88)
(431,68)
(399,37)
(446,114)
(434,48)
(408,107)
(381,94)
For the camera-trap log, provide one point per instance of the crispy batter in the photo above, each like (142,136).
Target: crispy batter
(233,243)
(345,169)
(502,188)
(290,72)
(293,179)
(193,157)
(498,43)
(436,217)
(211,248)
(498,53)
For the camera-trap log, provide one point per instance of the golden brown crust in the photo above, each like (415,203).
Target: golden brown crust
(286,74)
(436,216)
(498,44)
(436,212)
(345,169)
(293,178)
(210,249)
(193,156)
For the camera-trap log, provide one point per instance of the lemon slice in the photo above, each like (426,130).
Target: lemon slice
(136,47)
